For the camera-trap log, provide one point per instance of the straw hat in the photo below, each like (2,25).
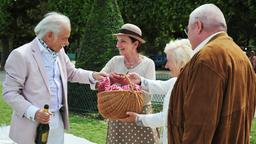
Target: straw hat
(132,31)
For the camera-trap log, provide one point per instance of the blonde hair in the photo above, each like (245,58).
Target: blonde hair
(52,22)
(179,50)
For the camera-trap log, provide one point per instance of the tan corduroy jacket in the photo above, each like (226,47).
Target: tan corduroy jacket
(213,100)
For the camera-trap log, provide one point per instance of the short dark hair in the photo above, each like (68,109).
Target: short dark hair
(134,40)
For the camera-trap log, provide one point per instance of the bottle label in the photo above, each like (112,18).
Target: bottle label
(44,137)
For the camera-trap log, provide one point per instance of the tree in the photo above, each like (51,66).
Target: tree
(163,20)
(160,21)
(78,12)
(19,17)
(17,20)
(241,19)
(98,44)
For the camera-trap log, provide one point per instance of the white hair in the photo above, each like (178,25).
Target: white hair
(52,22)
(179,50)
(210,15)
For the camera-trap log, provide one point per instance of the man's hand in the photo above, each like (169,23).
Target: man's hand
(42,117)
(131,117)
(99,75)
(134,77)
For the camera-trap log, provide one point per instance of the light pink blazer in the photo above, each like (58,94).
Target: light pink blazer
(27,84)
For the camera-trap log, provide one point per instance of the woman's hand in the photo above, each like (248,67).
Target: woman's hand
(134,77)
(100,87)
(118,78)
(131,117)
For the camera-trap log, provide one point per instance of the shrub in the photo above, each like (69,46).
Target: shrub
(98,44)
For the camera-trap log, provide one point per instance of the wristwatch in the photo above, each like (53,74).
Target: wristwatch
(144,82)
(139,121)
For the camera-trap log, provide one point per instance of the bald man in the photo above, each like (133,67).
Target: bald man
(213,100)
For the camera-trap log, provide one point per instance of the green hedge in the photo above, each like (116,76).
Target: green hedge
(98,44)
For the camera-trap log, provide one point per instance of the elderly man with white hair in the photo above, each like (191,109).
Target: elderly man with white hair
(213,100)
(37,74)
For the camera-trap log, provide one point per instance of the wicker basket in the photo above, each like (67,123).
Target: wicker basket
(114,104)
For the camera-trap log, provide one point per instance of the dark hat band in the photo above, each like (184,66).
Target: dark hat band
(125,31)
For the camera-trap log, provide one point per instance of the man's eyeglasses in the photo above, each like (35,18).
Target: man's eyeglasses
(186,30)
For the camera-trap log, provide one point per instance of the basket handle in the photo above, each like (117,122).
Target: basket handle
(131,85)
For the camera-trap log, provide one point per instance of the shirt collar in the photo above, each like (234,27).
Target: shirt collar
(203,43)
(44,47)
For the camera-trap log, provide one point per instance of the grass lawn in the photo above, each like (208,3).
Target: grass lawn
(89,127)
(86,126)
(5,111)
(253,132)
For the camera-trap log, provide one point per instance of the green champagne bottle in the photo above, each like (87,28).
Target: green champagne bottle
(42,130)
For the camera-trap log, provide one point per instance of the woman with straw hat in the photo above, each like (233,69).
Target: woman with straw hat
(129,39)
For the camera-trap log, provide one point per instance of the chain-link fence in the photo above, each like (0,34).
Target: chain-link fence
(81,98)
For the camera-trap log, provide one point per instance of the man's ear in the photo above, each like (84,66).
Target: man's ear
(49,36)
(200,26)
